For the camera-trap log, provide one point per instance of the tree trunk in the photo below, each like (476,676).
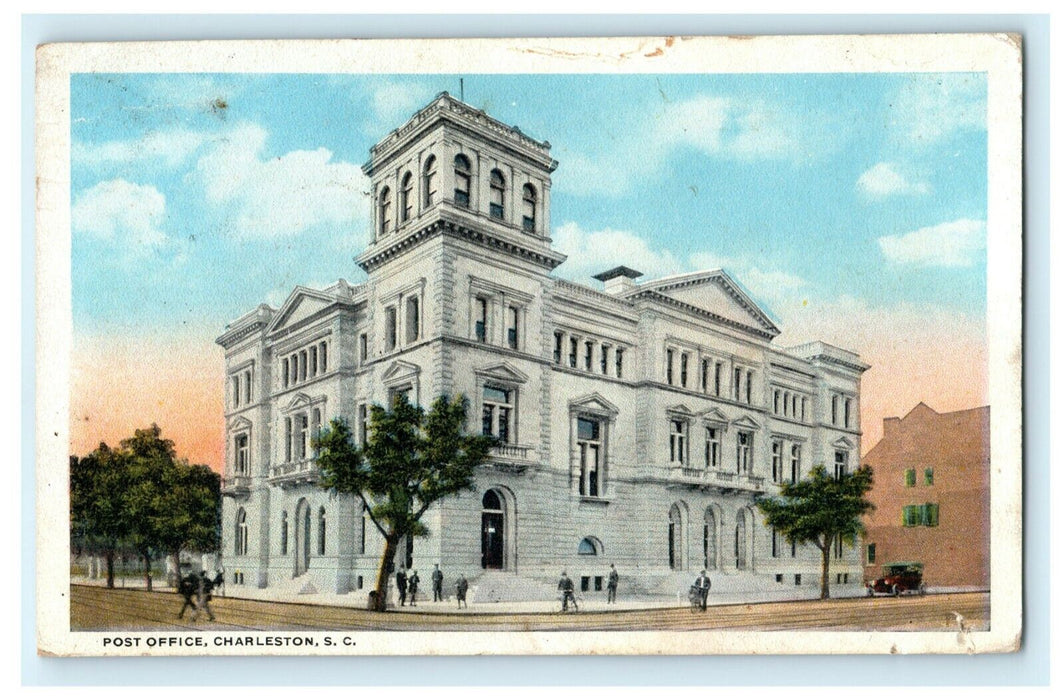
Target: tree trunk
(385,571)
(825,572)
(177,567)
(147,570)
(109,557)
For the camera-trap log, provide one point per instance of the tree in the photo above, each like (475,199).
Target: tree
(411,460)
(142,497)
(819,510)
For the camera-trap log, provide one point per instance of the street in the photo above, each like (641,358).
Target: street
(93,608)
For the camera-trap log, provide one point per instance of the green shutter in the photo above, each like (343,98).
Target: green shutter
(929,476)
(932,514)
(910,477)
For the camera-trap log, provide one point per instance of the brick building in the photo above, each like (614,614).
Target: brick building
(932,496)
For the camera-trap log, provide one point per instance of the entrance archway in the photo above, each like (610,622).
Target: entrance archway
(492,531)
(302,538)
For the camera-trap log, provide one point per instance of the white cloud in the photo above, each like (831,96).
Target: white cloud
(279,196)
(172,147)
(932,107)
(122,213)
(393,103)
(886,179)
(950,244)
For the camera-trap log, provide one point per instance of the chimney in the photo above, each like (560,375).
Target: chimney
(890,425)
(619,280)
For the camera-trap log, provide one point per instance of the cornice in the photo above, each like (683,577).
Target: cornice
(655,295)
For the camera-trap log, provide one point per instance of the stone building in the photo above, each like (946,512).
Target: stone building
(637,423)
(932,496)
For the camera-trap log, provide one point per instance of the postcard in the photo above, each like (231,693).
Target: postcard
(657,345)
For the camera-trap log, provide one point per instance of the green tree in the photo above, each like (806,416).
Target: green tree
(98,522)
(411,460)
(819,510)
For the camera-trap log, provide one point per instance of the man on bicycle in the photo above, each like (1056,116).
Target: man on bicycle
(565,585)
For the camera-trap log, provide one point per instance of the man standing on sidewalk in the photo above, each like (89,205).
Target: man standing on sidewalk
(400,585)
(611,585)
(703,584)
(437,585)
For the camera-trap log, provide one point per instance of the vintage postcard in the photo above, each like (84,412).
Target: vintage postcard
(669,345)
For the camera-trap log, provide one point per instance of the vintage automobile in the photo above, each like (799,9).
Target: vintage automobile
(899,577)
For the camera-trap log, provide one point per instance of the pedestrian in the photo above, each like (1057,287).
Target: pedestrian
(400,583)
(188,587)
(411,584)
(611,585)
(203,596)
(703,584)
(565,585)
(437,585)
(460,588)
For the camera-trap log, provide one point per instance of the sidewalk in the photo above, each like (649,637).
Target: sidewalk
(588,604)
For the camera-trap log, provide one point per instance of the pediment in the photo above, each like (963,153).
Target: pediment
(844,443)
(679,408)
(300,305)
(239,423)
(503,372)
(716,292)
(746,422)
(594,403)
(715,415)
(298,401)
(400,370)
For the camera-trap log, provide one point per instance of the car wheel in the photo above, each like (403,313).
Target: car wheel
(923,589)
(895,591)
(871,592)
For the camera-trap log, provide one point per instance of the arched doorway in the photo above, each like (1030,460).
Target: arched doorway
(302,538)
(492,531)
(709,539)
(677,550)
(741,528)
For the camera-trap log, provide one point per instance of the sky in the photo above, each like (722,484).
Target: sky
(851,206)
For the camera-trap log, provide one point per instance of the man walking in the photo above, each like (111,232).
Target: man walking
(460,588)
(411,584)
(565,585)
(400,585)
(203,597)
(437,585)
(703,584)
(187,587)
(611,585)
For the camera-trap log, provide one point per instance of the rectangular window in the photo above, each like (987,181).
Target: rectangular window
(744,452)
(796,463)
(287,439)
(737,378)
(929,515)
(589,347)
(589,443)
(513,314)
(572,352)
(749,387)
(235,394)
(668,366)
(929,476)
(247,386)
(704,378)
(323,356)
(834,410)
(461,189)
(313,371)
(870,555)
(481,329)
(910,477)
(911,516)
(718,370)
(558,340)
(803,409)
(304,431)
(604,358)
(842,459)
(413,319)
(284,371)
(777,461)
(775,543)
(363,425)
(683,369)
(678,442)
(619,362)
(390,330)
(846,412)
(776,401)
(497,413)
(303,366)
(797,579)
(363,348)
(241,466)
(712,448)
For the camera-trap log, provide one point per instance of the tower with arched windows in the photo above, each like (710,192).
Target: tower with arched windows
(637,422)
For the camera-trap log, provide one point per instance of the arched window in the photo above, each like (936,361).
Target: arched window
(492,531)
(385,210)
(284,532)
(406,199)
(588,547)
(321,531)
(498,194)
(528,208)
(241,539)
(675,538)
(709,540)
(429,181)
(740,539)
(463,177)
